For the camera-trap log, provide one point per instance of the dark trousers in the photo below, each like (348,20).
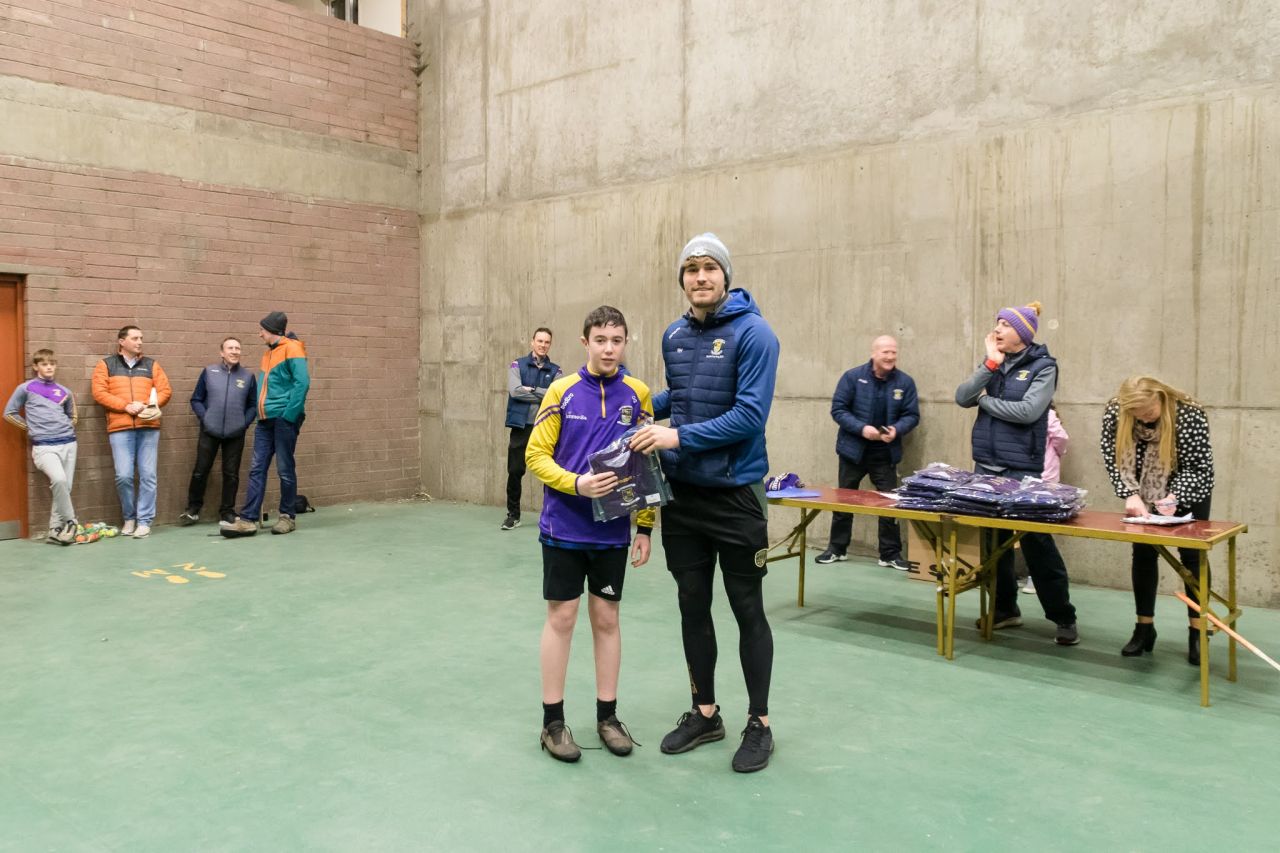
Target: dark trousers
(274,437)
(884,476)
(1146,568)
(206,449)
(1044,565)
(515,466)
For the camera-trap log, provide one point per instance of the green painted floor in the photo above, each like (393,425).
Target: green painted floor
(371,683)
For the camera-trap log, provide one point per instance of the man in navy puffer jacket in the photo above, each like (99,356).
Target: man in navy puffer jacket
(721,362)
(225,401)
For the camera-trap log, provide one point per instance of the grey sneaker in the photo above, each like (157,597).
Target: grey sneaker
(757,746)
(558,740)
(128,527)
(617,739)
(1067,635)
(692,731)
(66,534)
(239,527)
(511,523)
(830,557)
(284,524)
(188,518)
(1003,620)
(899,564)
(142,531)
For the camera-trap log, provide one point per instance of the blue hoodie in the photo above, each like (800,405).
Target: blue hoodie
(720,378)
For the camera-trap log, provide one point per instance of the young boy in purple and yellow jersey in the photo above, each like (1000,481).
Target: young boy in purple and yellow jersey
(47,412)
(581,414)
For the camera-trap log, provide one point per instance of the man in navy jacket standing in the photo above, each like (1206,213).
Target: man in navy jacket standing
(875,406)
(528,378)
(721,363)
(225,401)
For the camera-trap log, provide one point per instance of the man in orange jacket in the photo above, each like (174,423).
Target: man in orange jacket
(133,389)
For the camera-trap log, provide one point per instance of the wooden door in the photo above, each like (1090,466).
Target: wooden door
(13,441)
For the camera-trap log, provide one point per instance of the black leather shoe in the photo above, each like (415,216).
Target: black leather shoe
(1193,646)
(1143,640)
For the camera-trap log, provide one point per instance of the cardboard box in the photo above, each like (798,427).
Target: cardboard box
(920,552)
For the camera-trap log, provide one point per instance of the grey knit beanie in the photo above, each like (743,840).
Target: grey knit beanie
(705,245)
(275,322)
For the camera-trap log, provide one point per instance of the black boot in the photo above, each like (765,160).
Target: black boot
(1193,646)
(1143,640)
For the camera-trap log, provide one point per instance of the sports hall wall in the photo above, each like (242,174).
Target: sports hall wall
(190,165)
(874,167)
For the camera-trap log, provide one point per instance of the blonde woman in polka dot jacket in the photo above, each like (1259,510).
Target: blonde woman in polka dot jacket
(1155,444)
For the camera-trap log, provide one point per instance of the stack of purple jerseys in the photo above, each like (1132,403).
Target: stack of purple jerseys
(942,488)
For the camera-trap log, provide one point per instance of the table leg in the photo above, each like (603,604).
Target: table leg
(804,544)
(1204,629)
(949,531)
(1231,607)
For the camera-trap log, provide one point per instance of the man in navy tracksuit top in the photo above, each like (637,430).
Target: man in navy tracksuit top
(1012,389)
(721,362)
(528,378)
(875,406)
(225,401)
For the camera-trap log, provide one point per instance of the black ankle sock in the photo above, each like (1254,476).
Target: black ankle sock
(605,710)
(552,712)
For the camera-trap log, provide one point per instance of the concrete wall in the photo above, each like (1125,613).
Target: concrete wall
(874,167)
(189,166)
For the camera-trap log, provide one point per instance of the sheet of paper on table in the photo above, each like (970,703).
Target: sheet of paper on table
(1159,519)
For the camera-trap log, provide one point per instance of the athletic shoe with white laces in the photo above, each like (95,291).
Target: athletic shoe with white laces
(899,564)
(830,557)
(128,527)
(142,531)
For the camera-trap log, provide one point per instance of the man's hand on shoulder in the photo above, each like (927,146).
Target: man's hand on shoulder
(654,437)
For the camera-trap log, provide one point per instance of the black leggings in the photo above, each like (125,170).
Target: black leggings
(1146,568)
(692,560)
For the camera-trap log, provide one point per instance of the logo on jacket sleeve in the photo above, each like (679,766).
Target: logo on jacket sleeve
(717,349)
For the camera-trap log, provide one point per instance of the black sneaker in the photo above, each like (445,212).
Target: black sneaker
(512,522)
(1004,620)
(757,746)
(189,517)
(898,563)
(1067,635)
(830,557)
(693,730)
(558,740)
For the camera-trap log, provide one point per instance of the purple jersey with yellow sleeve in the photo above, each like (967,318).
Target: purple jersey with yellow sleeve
(581,414)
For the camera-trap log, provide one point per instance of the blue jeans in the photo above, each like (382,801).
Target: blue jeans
(136,450)
(273,437)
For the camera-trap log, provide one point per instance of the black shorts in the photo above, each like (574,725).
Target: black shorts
(564,569)
(699,553)
(733,515)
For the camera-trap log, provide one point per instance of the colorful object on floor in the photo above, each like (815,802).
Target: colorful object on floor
(87,533)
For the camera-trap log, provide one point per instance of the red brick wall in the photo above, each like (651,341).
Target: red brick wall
(191,263)
(252,59)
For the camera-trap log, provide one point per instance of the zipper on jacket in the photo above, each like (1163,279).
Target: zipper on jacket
(226,395)
(602,412)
